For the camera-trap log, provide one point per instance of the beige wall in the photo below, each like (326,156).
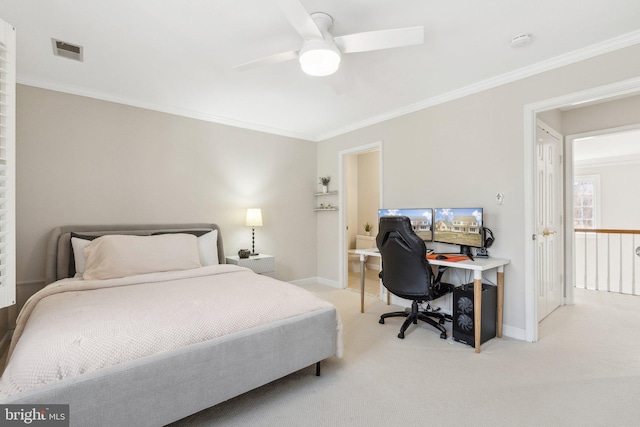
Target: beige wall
(368,191)
(351,198)
(606,115)
(461,153)
(85,161)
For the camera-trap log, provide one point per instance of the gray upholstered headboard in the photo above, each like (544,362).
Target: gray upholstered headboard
(58,256)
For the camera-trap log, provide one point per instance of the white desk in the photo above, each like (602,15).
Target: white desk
(477,266)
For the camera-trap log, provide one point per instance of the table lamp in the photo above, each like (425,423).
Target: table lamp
(254,219)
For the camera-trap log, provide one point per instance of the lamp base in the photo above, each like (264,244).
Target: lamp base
(253,242)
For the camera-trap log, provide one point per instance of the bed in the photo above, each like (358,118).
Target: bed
(204,331)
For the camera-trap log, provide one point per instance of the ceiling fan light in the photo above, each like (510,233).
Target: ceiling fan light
(320,60)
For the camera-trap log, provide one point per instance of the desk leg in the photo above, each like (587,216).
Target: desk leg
(477,307)
(362,276)
(500,298)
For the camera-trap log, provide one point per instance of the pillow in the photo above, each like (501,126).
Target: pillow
(116,255)
(207,244)
(208,247)
(77,260)
(80,261)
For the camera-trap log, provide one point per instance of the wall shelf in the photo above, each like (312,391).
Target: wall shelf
(326,208)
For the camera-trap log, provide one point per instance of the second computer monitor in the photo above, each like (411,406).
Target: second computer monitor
(458,226)
(421,220)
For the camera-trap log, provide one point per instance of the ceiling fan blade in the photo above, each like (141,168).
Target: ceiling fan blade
(268,60)
(300,19)
(377,40)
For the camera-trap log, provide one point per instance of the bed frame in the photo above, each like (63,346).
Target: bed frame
(169,386)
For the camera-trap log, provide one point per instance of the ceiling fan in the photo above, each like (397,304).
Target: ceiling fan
(321,52)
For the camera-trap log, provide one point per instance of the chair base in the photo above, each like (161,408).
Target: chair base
(414,315)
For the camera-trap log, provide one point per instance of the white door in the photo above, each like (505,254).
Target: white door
(549,224)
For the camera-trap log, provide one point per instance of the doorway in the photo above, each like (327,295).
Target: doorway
(361,197)
(531,111)
(606,227)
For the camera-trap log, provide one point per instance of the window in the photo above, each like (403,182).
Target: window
(585,201)
(7,164)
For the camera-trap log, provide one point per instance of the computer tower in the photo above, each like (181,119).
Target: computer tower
(463,314)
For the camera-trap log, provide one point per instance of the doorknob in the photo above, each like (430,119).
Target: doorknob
(546,233)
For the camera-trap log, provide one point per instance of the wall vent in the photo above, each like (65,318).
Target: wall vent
(67,50)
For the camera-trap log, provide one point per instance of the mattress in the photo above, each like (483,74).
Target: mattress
(75,327)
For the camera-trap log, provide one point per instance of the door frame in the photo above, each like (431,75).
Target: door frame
(343,266)
(622,88)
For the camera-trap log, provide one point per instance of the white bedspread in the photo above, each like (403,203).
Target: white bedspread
(72,327)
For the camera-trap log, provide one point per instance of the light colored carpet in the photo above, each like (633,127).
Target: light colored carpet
(584,371)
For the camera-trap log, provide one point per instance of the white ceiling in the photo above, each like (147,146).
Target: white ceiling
(178,55)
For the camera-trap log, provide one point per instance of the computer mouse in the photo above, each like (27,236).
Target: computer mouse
(441,257)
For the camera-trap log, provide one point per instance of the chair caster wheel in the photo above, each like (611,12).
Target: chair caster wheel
(443,335)
(441,321)
(401,335)
(381,321)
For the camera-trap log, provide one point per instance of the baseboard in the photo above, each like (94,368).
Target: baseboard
(513,332)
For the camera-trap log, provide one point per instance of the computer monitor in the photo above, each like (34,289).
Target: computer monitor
(421,220)
(459,226)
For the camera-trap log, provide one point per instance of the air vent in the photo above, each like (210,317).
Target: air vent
(67,50)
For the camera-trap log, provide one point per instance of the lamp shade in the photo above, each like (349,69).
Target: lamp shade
(254,218)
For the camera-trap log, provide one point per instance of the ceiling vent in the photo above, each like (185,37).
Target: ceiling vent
(67,50)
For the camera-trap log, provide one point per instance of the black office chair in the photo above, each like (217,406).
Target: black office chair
(406,273)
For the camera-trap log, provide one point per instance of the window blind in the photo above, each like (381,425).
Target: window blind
(7,164)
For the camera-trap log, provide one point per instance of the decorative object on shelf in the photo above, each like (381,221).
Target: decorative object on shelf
(244,253)
(254,219)
(324,180)
(367,228)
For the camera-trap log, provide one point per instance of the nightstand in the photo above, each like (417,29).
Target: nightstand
(262,264)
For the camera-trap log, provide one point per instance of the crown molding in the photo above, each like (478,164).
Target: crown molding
(633,160)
